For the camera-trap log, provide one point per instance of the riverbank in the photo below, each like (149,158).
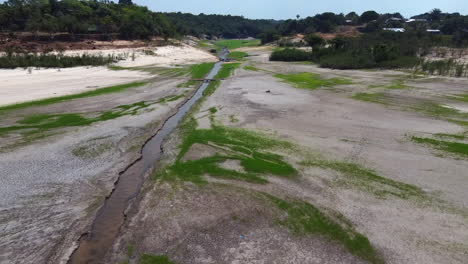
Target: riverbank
(59,159)
(22,85)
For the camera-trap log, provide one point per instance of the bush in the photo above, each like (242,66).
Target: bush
(345,61)
(400,63)
(24,60)
(291,55)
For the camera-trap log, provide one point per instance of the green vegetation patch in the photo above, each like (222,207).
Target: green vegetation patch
(227,70)
(43,122)
(171,98)
(368,180)
(454,136)
(438,110)
(198,71)
(460,97)
(238,55)
(53,100)
(379,98)
(397,84)
(213,110)
(290,55)
(251,68)
(304,218)
(25,60)
(448,146)
(311,81)
(152,259)
(237,43)
(232,144)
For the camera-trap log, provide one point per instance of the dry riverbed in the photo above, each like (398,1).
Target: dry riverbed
(291,163)
(60,157)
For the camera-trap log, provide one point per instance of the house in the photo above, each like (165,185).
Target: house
(394,19)
(433,31)
(416,20)
(401,30)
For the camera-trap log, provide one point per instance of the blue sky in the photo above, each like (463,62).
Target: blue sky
(283,9)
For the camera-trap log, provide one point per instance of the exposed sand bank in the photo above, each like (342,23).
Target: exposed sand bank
(21,85)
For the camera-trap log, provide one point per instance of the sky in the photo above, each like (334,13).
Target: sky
(284,9)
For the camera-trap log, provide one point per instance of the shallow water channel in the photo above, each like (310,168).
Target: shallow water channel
(94,245)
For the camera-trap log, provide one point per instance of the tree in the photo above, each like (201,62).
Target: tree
(315,41)
(369,16)
(269,36)
(435,14)
(125,2)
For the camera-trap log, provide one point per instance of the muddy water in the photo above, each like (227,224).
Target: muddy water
(95,244)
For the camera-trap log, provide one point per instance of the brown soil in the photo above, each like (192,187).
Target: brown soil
(29,42)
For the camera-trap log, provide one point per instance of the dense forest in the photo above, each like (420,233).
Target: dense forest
(126,20)
(224,26)
(131,21)
(84,17)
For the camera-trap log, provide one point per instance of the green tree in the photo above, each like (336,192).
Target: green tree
(314,41)
(369,16)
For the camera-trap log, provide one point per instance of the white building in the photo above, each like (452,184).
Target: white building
(401,30)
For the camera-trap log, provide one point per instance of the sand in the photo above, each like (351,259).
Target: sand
(20,85)
(158,56)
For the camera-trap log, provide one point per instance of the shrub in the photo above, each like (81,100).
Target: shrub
(24,60)
(346,61)
(291,55)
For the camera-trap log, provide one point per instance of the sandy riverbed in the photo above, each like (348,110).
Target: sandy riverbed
(223,222)
(20,85)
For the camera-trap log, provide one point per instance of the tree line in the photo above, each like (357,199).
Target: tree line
(132,21)
(128,20)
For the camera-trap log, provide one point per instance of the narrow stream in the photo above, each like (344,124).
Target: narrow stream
(94,245)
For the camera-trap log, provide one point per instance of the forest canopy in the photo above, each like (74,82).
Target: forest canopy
(131,21)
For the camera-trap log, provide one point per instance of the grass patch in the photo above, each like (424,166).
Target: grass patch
(246,147)
(59,99)
(237,43)
(438,110)
(251,68)
(454,136)
(304,218)
(227,70)
(311,81)
(368,180)
(460,97)
(448,146)
(379,98)
(198,71)
(238,55)
(171,98)
(151,259)
(42,122)
(213,110)
(397,84)
(459,122)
